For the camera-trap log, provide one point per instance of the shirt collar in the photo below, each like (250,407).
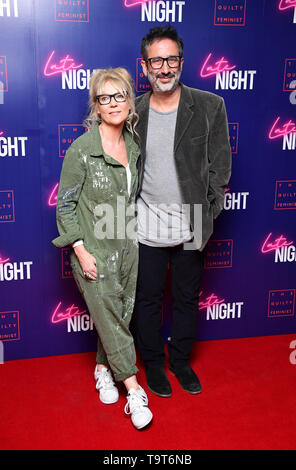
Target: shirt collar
(96,148)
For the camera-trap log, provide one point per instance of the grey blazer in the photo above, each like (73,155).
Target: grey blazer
(202,155)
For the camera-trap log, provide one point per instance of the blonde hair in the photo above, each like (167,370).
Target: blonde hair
(122,80)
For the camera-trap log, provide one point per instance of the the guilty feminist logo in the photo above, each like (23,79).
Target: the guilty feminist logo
(227,77)
(67,134)
(7,206)
(72,10)
(66,263)
(285,195)
(289,75)
(219,254)
(288,5)
(233,128)
(230,13)
(142,83)
(281,303)
(169,11)
(9,326)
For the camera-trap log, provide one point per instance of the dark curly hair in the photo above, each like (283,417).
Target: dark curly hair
(156,34)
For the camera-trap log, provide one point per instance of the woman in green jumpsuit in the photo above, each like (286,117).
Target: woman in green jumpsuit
(96,216)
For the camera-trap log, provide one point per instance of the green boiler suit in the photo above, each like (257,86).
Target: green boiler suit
(92,185)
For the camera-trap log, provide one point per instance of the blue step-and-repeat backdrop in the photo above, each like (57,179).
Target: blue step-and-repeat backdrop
(243,50)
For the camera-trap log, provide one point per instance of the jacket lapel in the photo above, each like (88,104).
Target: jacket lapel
(185,114)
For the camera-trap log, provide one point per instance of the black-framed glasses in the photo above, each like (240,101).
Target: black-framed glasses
(157,62)
(106,99)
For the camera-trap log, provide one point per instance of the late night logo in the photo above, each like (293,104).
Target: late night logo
(288,5)
(284,250)
(12,146)
(281,303)
(9,8)
(72,10)
(159,10)
(285,131)
(76,319)
(53,196)
(218,309)
(227,77)
(73,75)
(14,271)
(230,13)
(235,201)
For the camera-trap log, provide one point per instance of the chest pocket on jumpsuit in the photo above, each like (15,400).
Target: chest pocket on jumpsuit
(99,180)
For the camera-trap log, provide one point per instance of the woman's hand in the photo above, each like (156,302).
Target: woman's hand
(87,262)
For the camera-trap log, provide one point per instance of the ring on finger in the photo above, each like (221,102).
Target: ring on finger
(88,275)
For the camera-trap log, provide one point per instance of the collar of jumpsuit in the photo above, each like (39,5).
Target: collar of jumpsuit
(96,148)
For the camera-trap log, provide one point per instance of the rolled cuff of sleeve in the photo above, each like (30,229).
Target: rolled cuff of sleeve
(66,239)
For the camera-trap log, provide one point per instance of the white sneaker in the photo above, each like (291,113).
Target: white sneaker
(137,407)
(106,386)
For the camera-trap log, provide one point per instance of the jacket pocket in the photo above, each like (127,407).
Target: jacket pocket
(201,139)
(99,188)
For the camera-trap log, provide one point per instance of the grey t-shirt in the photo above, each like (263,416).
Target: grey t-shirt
(162,219)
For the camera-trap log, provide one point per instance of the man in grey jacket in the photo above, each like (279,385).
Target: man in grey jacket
(184,169)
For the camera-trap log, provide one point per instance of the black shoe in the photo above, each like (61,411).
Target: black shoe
(187,378)
(158,382)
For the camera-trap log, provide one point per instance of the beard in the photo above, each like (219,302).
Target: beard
(164,87)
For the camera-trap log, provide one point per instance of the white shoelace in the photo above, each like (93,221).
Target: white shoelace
(136,400)
(104,380)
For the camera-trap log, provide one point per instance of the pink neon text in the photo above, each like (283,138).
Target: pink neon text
(70,312)
(220,66)
(52,200)
(286,129)
(278,243)
(132,3)
(285,4)
(210,300)
(65,64)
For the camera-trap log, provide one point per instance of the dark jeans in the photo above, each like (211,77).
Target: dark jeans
(186,270)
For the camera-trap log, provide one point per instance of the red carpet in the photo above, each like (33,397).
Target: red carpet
(248,402)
